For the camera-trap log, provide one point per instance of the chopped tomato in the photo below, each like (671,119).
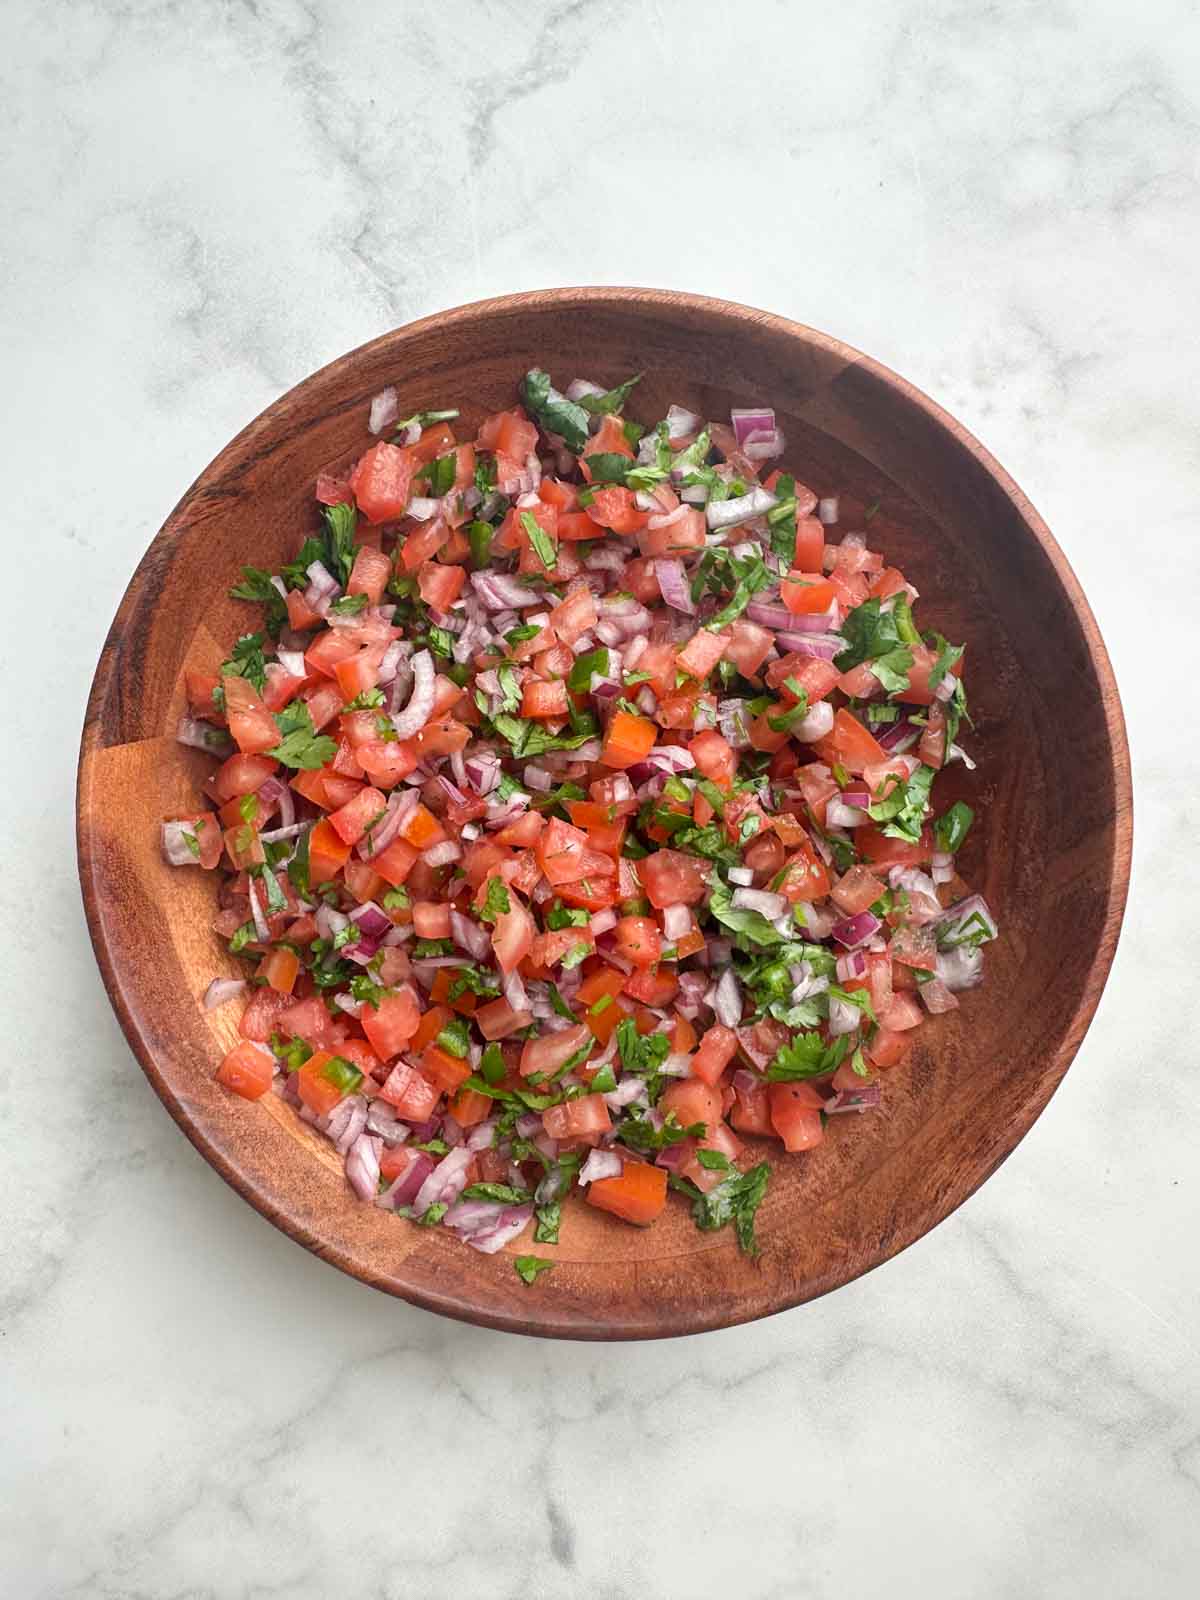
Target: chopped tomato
(381,481)
(248,1070)
(638,1195)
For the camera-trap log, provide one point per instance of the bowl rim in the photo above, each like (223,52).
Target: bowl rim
(668,301)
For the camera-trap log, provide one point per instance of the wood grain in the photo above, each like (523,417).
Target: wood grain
(1051,848)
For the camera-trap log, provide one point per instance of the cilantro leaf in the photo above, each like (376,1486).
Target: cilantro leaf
(642,1053)
(903,810)
(869,633)
(637,1131)
(554,412)
(751,926)
(246,660)
(341,524)
(440,474)
(603,405)
(256,585)
(952,827)
(541,541)
(948,657)
(301,746)
(528,1268)
(496,902)
(808,1056)
(295,573)
(892,667)
(736,1200)
(502,1192)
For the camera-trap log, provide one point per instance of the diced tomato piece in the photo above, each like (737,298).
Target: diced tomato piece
(439,585)
(702,652)
(903,1013)
(680,533)
(749,646)
(281,968)
(390,1025)
(715,757)
(693,1101)
(431,919)
(717,1049)
(883,851)
(638,1195)
(308,1020)
(387,762)
(639,941)
(628,740)
(751,1110)
(421,828)
(261,1017)
(512,936)
(670,878)
(253,727)
(856,890)
(395,862)
(550,1052)
(806,876)
(810,544)
(328,852)
(576,1119)
(654,986)
(248,1070)
(725,1143)
(888,1047)
(244,845)
(806,593)
(381,481)
(849,743)
(412,1094)
(609,439)
(240,775)
(369,575)
(616,508)
(497,1019)
(446,1071)
(793,1116)
(351,821)
(543,700)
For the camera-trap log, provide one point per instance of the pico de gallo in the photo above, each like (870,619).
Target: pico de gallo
(574,799)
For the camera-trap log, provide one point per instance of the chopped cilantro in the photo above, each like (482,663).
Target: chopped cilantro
(528,1268)
(256,585)
(301,746)
(736,1200)
(603,405)
(554,413)
(952,827)
(496,902)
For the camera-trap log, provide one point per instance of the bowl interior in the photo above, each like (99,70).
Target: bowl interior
(1050,848)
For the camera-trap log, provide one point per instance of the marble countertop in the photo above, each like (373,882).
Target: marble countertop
(206,201)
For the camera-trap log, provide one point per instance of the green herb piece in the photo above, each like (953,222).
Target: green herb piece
(948,657)
(603,405)
(554,413)
(604,1081)
(736,1200)
(496,902)
(478,980)
(423,419)
(297,869)
(241,938)
(433,1215)
(560,916)
(504,1193)
(256,585)
(246,661)
(808,1056)
(750,926)
(787,720)
(714,1161)
(637,1132)
(276,899)
(342,1074)
(641,1053)
(579,679)
(480,536)
(576,954)
(454,1038)
(491,1065)
(341,524)
(952,827)
(892,668)
(541,541)
(871,634)
(528,1268)
(301,746)
(349,605)
(903,810)
(439,474)
(530,739)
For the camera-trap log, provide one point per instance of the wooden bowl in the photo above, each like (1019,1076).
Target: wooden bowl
(1050,849)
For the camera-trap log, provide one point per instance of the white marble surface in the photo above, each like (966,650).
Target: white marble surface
(203,202)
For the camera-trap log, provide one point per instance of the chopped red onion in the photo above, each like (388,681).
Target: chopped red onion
(470,936)
(827,509)
(727,1001)
(385,409)
(199,735)
(764,443)
(862,1097)
(499,592)
(837,813)
(384,1120)
(372,919)
(515,992)
(410,1183)
(760,900)
(401,802)
(676,922)
(175,847)
(446,1182)
(346,1122)
(416,714)
(600,1164)
(221,990)
(814,726)
(323,587)
(538,778)
(728,513)
(362,1166)
(853,931)
(824,646)
(851,965)
(947,686)
(673,582)
(261,931)
(603,922)
(680,423)
(483,771)
(843,1017)
(442,853)
(898,737)
(741,875)
(960,968)
(970,918)
(750,420)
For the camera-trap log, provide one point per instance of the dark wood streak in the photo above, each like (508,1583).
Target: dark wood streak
(1051,849)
